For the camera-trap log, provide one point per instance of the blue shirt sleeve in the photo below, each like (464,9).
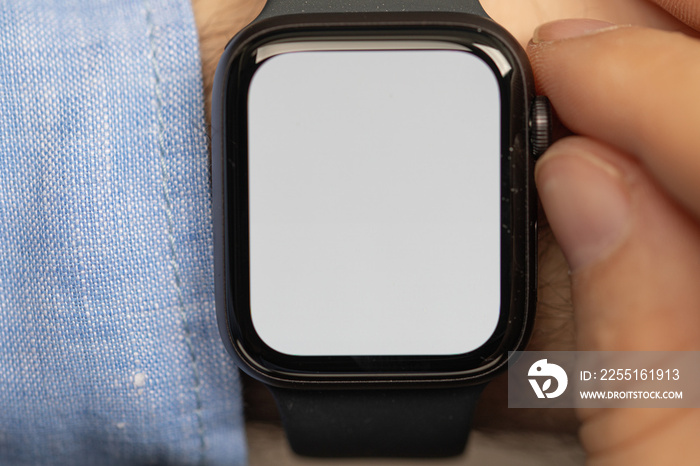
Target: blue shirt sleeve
(109,351)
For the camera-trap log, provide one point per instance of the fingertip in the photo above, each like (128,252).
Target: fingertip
(632,88)
(569,28)
(586,200)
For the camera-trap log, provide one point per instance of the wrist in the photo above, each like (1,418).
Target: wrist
(217,21)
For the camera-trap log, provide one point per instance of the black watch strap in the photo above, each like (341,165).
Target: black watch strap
(378,423)
(285,7)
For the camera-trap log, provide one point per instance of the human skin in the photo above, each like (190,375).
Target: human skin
(623,201)
(622,198)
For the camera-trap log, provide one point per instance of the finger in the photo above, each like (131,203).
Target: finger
(634,253)
(633,88)
(635,259)
(687,11)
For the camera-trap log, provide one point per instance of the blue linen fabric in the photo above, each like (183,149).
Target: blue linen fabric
(109,352)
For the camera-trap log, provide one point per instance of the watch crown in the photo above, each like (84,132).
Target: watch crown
(540,126)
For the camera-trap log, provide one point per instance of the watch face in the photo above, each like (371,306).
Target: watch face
(374,200)
(374,190)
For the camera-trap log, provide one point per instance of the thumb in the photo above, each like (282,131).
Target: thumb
(634,254)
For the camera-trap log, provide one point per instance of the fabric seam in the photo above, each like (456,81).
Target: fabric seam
(196,388)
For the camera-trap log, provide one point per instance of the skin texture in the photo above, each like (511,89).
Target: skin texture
(618,266)
(631,97)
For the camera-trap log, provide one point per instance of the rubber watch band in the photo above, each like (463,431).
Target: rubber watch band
(378,423)
(286,7)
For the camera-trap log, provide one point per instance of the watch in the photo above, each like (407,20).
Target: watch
(375,216)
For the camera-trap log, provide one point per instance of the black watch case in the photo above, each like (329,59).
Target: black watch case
(230,203)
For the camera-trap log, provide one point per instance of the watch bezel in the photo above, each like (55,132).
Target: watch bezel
(229,177)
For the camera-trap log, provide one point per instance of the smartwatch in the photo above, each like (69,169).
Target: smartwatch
(375,216)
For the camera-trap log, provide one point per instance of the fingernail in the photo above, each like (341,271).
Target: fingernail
(586,201)
(569,28)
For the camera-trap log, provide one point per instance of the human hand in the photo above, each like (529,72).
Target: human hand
(623,201)
(554,325)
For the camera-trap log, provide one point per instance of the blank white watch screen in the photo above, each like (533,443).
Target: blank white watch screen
(374,202)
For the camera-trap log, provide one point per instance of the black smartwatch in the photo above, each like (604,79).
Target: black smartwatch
(375,216)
